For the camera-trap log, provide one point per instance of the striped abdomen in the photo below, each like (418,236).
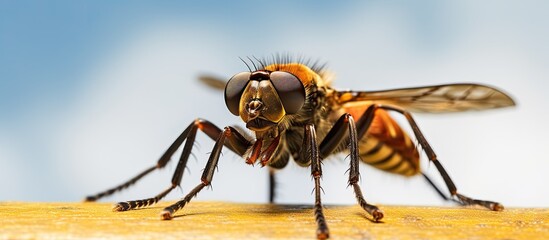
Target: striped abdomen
(387,147)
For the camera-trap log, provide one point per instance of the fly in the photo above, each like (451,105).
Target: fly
(294,113)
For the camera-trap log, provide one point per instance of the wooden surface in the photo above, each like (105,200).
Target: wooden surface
(215,220)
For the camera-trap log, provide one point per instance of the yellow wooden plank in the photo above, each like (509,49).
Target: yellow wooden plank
(217,220)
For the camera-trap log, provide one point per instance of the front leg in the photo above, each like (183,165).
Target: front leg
(236,142)
(206,178)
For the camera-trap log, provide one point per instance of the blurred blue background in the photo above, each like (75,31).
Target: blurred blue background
(92,92)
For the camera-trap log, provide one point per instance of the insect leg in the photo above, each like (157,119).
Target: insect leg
(238,144)
(164,159)
(439,192)
(207,175)
(334,138)
(272,185)
(311,151)
(93,198)
(365,121)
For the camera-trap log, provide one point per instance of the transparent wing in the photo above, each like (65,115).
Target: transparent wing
(433,99)
(214,82)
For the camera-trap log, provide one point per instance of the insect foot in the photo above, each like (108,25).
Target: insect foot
(166,215)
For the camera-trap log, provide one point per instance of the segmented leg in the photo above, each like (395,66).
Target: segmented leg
(312,152)
(188,134)
(207,175)
(337,135)
(237,143)
(364,123)
(272,185)
(439,192)
(177,176)
(459,201)
(93,198)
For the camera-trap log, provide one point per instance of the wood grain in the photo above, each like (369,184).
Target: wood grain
(219,220)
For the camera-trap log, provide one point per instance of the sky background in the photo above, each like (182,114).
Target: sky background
(93,92)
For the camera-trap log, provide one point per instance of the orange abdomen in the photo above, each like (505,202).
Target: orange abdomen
(385,146)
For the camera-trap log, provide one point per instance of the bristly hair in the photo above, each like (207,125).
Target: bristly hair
(244,61)
(281,59)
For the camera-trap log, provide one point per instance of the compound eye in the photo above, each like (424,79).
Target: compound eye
(290,90)
(234,89)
